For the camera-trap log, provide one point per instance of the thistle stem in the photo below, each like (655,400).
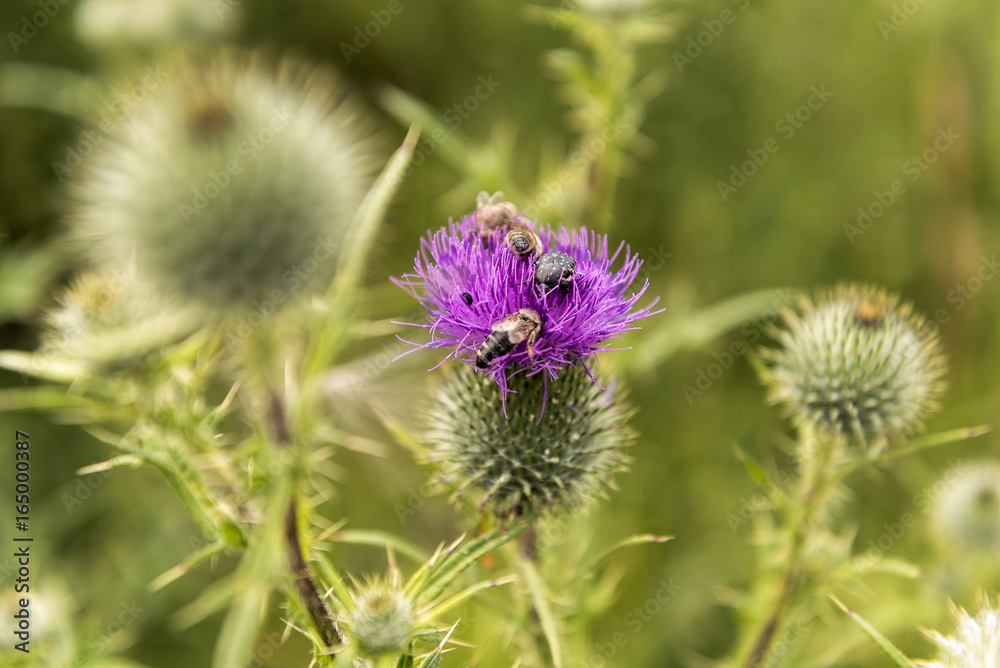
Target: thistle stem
(545,631)
(305,585)
(817,474)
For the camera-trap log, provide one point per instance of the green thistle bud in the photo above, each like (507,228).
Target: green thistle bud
(856,362)
(94,302)
(557,447)
(382,619)
(974,644)
(102,316)
(967,515)
(232,183)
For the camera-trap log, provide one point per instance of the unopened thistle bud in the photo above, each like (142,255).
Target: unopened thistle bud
(95,301)
(382,619)
(103,316)
(230,183)
(968,512)
(974,644)
(555,445)
(856,362)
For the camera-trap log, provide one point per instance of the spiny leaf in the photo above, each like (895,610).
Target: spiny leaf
(330,576)
(897,657)
(380,539)
(419,578)
(455,564)
(752,467)
(49,367)
(639,539)
(448,604)
(916,445)
(253,580)
(934,440)
(434,658)
(189,562)
(540,601)
(132,461)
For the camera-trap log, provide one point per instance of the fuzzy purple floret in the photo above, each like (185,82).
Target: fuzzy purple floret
(457,265)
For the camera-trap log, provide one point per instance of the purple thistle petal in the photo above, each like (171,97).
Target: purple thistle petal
(467,281)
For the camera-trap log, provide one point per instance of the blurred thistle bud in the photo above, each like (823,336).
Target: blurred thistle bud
(554,445)
(103,315)
(974,644)
(382,619)
(95,301)
(231,185)
(144,25)
(856,362)
(967,514)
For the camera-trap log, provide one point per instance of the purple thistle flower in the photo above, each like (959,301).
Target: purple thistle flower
(468,280)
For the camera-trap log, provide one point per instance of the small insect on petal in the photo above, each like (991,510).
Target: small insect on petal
(492,211)
(520,239)
(868,314)
(507,332)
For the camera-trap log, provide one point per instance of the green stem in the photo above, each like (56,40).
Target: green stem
(305,585)
(817,474)
(545,629)
(174,472)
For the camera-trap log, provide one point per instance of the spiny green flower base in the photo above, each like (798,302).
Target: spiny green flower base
(232,186)
(382,619)
(857,362)
(533,459)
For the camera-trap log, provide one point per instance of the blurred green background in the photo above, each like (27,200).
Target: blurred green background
(892,91)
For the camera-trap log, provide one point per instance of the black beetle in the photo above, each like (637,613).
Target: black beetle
(555,270)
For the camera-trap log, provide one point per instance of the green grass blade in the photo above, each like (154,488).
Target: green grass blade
(361,236)
(409,110)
